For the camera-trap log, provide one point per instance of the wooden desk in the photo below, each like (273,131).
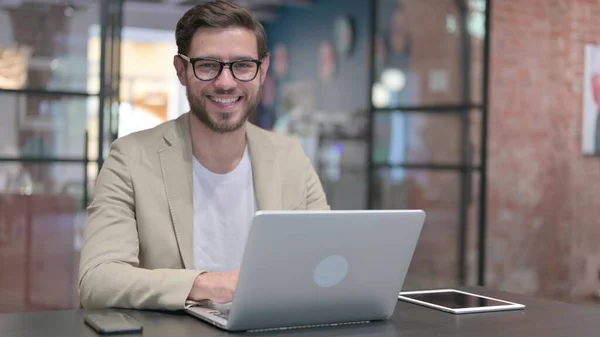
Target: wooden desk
(540,318)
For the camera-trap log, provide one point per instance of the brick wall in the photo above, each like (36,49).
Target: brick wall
(544,195)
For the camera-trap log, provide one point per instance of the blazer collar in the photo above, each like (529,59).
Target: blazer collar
(267,184)
(176,167)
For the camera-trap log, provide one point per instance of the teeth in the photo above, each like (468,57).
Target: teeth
(226,101)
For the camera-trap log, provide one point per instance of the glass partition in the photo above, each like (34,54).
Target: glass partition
(59,67)
(427,130)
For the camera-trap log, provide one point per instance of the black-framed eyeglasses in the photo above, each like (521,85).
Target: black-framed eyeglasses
(207,69)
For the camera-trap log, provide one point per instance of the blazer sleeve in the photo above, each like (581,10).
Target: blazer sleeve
(109,275)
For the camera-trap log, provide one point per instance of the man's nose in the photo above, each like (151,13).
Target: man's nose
(225,80)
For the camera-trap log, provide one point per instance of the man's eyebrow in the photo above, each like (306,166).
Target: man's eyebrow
(244,57)
(235,58)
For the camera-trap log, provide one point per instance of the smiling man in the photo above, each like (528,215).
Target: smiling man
(173,204)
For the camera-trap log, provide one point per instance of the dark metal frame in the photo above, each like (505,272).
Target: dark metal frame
(465,174)
(111,19)
(484,147)
(463,110)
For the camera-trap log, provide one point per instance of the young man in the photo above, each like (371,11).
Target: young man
(173,204)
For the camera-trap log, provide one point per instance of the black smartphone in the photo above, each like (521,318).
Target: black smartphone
(106,323)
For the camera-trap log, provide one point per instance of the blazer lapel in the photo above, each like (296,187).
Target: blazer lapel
(267,184)
(176,165)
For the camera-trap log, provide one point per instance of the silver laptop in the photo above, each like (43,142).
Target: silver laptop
(319,268)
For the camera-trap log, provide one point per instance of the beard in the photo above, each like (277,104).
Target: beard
(222,125)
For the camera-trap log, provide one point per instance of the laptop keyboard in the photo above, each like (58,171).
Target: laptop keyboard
(224,314)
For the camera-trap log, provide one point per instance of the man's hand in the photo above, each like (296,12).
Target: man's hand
(218,287)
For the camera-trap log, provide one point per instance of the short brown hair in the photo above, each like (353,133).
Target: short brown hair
(218,14)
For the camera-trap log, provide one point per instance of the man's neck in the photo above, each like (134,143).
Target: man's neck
(219,153)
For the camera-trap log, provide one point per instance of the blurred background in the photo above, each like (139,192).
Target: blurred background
(484,113)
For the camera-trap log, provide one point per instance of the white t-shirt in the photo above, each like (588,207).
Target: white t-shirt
(224,205)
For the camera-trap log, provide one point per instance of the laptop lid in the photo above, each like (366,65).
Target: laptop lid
(323,267)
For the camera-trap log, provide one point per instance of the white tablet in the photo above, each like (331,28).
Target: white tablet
(457,302)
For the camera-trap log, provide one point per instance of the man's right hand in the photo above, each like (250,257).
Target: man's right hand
(218,287)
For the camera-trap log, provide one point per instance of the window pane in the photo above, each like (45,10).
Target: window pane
(421,58)
(425,137)
(149,89)
(41,217)
(45,125)
(342,168)
(435,263)
(476,29)
(47,44)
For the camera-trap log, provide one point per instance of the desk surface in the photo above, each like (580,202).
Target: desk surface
(540,318)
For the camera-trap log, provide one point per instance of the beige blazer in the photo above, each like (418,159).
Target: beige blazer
(138,242)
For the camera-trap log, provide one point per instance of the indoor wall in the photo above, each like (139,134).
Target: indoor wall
(544,191)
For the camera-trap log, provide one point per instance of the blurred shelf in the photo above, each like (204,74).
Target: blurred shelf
(426,166)
(32,159)
(343,138)
(48,92)
(455,109)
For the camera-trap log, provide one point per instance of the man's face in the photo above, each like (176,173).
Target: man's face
(224,103)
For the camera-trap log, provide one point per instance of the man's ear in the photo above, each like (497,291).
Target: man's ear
(264,68)
(180,68)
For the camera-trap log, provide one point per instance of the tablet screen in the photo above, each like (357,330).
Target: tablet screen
(454,300)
